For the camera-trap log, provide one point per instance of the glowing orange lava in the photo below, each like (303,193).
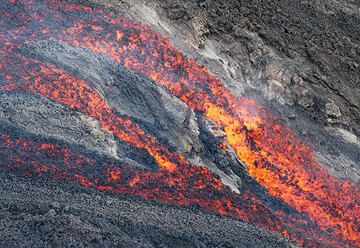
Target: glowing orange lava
(188,186)
(185,184)
(274,157)
(285,166)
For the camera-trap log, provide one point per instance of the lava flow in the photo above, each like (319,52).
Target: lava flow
(44,79)
(274,157)
(285,166)
(189,186)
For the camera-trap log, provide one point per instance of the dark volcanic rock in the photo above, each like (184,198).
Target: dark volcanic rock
(320,36)
(46,213)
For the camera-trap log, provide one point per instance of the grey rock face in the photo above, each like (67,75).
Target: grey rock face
(316,42)
(39,115)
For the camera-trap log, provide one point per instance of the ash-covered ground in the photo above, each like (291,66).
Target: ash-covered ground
(298,59)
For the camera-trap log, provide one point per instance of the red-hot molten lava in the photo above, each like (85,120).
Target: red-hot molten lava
(46,80)
(190,185)
(285,166)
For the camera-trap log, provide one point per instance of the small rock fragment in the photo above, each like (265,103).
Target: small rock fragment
(297,80)
(305,99)
(332,110)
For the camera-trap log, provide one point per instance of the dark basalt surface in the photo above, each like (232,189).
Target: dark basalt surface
(37,212)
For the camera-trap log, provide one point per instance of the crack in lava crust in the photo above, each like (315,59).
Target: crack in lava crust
(285,166)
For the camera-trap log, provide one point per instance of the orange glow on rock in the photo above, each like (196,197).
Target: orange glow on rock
(274,157)
(285,166)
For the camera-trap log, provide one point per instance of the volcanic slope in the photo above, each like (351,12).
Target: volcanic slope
(37,212)
(156,124)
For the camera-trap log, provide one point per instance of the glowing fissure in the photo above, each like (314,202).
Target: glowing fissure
(285,166)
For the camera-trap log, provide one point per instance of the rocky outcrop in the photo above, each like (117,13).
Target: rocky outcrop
(316,43)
